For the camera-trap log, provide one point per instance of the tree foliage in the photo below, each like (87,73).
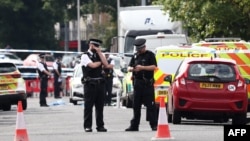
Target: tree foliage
(29,24)
(211,18)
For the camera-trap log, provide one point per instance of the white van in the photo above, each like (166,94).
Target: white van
(161,39)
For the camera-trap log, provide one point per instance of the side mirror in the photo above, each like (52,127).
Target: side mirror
(168,78)
(124,70)
(247,80)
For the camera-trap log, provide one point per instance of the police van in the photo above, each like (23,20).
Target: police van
(168,59)
(233,48)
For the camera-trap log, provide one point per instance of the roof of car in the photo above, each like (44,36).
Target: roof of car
(6,61)
(226,60)
(185,47)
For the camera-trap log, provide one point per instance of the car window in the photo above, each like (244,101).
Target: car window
(181,67)
(204,69)
(12,56)
(9,56)
(27,70)
(7,67)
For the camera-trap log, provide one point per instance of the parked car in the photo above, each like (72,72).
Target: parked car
(207,88)
(7,56)
(12,86)
(33,59)
(31,77)
(76,86)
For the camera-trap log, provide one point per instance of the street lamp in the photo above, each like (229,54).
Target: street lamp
(78,27)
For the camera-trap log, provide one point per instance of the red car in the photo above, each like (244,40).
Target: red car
(208,89)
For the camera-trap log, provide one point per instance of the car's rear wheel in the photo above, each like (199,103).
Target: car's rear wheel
(239,119)
(176,117)
(6,107)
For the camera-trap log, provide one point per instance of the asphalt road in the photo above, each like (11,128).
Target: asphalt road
(64,122)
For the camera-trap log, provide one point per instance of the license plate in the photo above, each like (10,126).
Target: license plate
(162,93)
(211,85)
(4,87)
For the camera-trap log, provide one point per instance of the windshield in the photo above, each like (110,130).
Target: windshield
(129,45)
(168,66)
(153,43)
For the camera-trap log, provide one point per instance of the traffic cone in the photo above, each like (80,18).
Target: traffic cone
(163,132)
(21,132)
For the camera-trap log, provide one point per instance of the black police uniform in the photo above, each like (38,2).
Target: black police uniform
(57,84)
(143,82)
(108,75)
(43,84)
(94,93)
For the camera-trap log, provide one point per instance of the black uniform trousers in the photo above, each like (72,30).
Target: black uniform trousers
(108,90)
(43,90)
(57,87)
(143,94)
(94,92)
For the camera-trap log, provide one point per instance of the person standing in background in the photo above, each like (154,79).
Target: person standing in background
(44,74)
(108,75)
(57,67)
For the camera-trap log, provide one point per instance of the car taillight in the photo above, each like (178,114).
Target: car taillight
(16,76)
(240,83)
(182,81)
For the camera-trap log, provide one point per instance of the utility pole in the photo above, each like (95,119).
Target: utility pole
(118,25)
(78,27)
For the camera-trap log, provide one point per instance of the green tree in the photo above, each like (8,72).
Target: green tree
(211,18)
(29,24)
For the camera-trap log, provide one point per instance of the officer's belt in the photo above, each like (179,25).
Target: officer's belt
(145,80)
(95,80)
(98,78)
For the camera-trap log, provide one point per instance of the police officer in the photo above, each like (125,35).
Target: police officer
(44,74)
(108,75)
(57,77)
(92,63)
(142,66)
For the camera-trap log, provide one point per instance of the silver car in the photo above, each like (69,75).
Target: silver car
(76,86)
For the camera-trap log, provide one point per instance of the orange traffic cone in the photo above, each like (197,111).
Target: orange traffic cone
(21,132)
(163,132)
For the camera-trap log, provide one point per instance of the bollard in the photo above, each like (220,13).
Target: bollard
(117,99)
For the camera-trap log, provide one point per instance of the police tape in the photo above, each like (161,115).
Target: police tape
(55,51)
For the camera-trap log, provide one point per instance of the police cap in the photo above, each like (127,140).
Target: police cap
(96,42)
(139,43)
